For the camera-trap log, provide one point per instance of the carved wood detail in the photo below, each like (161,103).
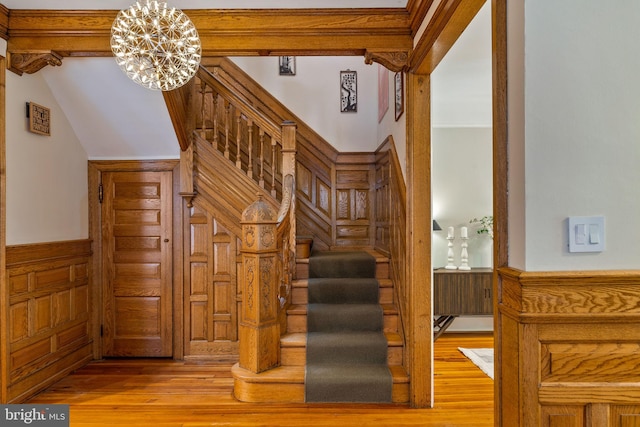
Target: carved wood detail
(395,60)
(32,62)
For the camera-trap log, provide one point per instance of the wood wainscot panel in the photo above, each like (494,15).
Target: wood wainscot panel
(49,312)
(354,211)
(575,337)
(211,311)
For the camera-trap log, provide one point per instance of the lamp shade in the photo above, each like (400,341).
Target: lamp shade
(436,226)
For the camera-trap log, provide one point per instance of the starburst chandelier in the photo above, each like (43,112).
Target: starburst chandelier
(156,47)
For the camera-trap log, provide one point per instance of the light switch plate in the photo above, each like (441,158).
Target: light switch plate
(586,233)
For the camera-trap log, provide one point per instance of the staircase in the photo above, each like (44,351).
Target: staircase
(286,383)
(233,150)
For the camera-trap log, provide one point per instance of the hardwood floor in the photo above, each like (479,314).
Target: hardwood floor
(163,393)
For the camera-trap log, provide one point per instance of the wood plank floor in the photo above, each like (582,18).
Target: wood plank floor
(163,393)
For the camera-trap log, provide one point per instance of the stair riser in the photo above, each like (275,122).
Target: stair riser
(299,296)
(255,392)
(382,270)
(297,356)
(298,323)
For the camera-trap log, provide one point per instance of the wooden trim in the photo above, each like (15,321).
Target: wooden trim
(500,190)
(225,32)
(418,10)
(419,335)
(4,289)
(4,22)
(569,343)
(36,252)
(448,22)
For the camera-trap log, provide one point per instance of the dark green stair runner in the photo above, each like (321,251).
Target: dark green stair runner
(346,345)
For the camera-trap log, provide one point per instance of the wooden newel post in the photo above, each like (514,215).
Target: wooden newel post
(259,327)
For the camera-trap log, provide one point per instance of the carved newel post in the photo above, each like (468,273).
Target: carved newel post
(259,327)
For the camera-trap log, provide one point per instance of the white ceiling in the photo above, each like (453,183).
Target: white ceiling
(461,84)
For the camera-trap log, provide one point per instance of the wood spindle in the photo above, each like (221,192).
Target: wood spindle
(203,125)
(273,167)
(227,120)
(214,115)
(238,139)
(261,177)
(250,150)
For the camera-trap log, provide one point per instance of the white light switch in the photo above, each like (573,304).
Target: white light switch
(586,234)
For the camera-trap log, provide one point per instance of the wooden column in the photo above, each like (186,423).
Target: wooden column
(259,327)
(419,271)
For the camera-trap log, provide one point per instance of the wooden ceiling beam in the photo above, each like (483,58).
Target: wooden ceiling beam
(446,24)
(224,32)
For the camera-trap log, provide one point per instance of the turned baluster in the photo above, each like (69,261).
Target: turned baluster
(203,125)
(261,178)
(238,139)
(273,167)
(250,150)
(214,108)
(227,120)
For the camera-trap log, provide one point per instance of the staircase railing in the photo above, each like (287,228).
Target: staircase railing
(239,131)
(265,153)
(268,263)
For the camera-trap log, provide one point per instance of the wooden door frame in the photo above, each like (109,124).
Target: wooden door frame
(95,169)
(428,53)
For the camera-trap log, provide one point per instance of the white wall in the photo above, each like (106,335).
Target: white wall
(314,95)
(462,189)
(46,176)
(582,132)
(396,128)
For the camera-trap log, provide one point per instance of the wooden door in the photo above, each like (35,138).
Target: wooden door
(137,270)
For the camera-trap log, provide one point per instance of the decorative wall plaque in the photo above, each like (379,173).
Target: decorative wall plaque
(39,119)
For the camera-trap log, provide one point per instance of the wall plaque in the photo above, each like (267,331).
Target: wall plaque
(39,119)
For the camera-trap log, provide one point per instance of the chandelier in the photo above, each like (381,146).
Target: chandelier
(156,47)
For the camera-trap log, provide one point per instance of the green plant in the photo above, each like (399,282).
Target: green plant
(486,225)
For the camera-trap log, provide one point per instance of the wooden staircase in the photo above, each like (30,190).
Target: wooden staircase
(285,384)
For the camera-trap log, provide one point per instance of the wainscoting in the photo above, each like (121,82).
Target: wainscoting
(567,348)
(49,314)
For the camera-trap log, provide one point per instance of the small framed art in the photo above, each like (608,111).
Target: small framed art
(39,119)
(348,91)
(287,65)
(399,94)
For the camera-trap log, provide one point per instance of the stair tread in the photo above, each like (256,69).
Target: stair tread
(302,309)
(299,339)
(295,374)
(304,283)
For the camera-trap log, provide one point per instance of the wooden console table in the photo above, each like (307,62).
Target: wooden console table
(460,293)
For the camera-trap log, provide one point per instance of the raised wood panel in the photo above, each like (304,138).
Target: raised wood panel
(562,416)
(625,416)
(212,288)
(48,313)
(390,227)
(18,321)
(575,336)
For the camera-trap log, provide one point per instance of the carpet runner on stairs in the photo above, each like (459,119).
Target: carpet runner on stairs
(346,345)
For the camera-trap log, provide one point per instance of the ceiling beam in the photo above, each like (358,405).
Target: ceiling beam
(240,32)
(448,21)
